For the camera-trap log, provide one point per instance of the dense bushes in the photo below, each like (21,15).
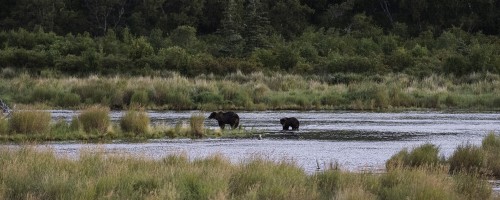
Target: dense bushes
(315,52)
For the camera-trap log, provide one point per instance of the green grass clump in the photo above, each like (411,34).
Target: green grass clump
(467,158)
(491,147)
(95,119)
(29,122)
(136,122)
(4,125)
(472,186)
(139,98)
(263,179)
(424,155)
(196,123)
(400,183)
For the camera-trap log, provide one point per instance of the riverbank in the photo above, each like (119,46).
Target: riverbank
(41,174)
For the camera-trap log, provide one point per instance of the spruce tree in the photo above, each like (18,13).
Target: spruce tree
(230,31)
(255,27)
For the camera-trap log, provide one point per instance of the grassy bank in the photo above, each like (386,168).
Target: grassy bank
(94,124)
(257,91)
(482,160)
(33,174)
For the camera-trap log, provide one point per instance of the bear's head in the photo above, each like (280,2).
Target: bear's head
(283,120)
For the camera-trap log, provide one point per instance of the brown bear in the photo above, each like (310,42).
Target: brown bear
(290,121)
(224,118)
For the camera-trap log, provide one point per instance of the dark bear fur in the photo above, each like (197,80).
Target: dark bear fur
(290,121)
(224,118)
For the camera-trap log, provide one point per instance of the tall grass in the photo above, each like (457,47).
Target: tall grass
(136,122)
(95,119)
(467,158)
(40,174)
(258,91)
(29,122)
(421,156)
(196,124)
(4,125)
(491,147)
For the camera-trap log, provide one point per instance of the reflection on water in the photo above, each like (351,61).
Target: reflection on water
(356,140)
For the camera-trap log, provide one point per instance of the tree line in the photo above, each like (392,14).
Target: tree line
(223,36)
(285,17)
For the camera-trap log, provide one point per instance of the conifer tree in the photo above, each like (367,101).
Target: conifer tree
(255,28)
(230,31)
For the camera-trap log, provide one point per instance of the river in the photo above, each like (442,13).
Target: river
(357,141)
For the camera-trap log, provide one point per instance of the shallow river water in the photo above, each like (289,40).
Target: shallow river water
(356,140)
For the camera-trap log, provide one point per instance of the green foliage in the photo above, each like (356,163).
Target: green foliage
(139,98)
(472,186)
(67,100)
(491,147)
(261,179)
(416,184)
(467,158)
(422,156)
(29,122)
(208,97)
(184,37)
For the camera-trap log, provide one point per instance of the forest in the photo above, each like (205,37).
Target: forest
(220,37)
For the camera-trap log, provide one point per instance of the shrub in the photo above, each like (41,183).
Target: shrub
(95,119)
(196,124)
(29,122)
(467,158)
(135,122)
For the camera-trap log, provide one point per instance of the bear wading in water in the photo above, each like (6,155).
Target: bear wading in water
(290,121)
(224,118)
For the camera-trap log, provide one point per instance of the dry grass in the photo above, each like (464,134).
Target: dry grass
(136,122)
(95,119)
(259,91)
(196,124)
(29,122)
(40,174)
